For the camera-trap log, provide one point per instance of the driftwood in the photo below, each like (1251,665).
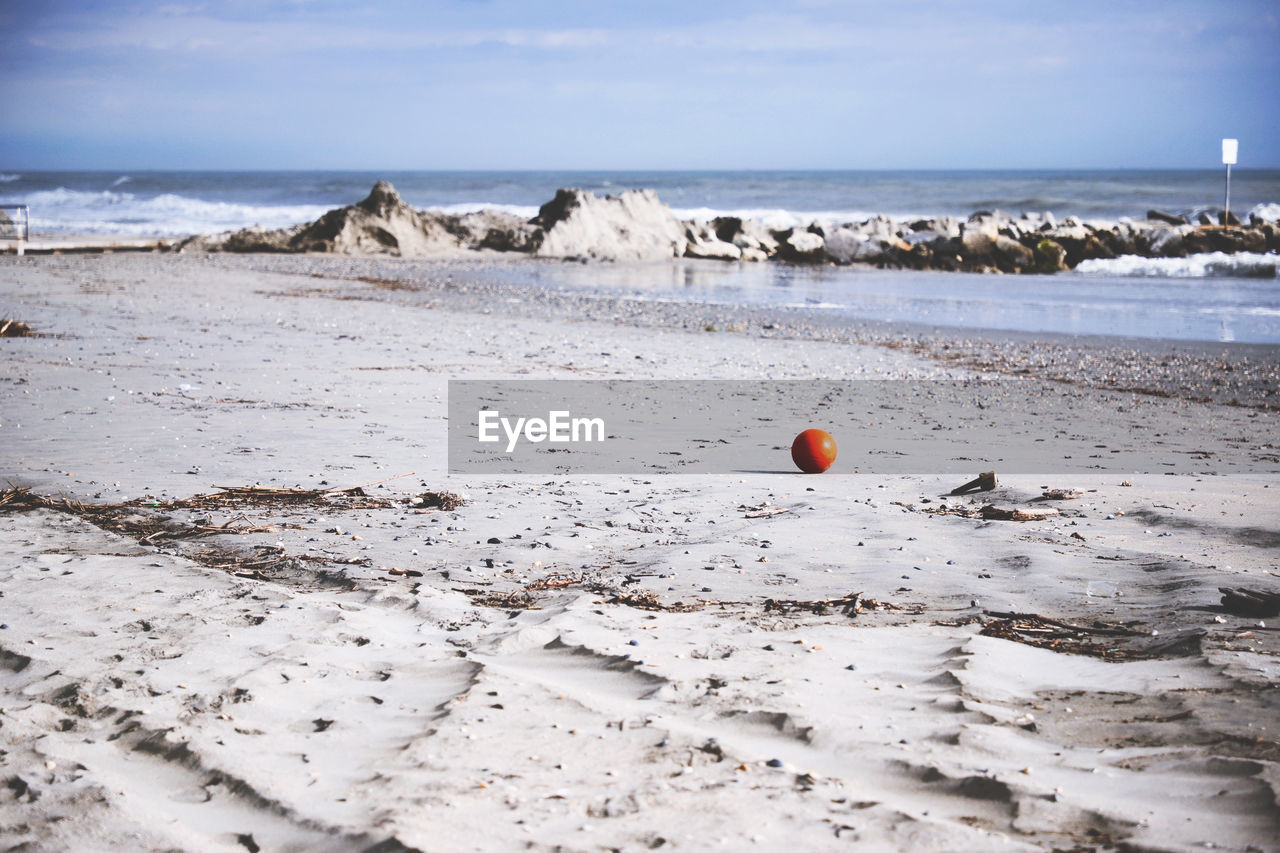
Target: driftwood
(15,329)
(995,513)
(984,482)
(1108,642)
(1250,602)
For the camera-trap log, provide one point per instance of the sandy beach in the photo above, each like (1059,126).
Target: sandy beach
(212,640)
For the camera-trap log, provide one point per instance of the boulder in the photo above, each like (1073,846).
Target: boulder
(978,237)
(493,229)
(1050,257)
(845,245)
(746,234)
(803,247)
(1012,256)
(1166,218)
(1071,229)
(252,239)
(704,243)
(381,224)
(633,226)
(1164,241)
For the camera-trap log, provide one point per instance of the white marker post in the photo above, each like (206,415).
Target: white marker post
(1230,147)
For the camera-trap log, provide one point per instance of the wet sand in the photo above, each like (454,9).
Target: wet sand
(595,662)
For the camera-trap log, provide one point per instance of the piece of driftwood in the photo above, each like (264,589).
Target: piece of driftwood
(15,329)
(995,513)
(1250,602)
(984,482)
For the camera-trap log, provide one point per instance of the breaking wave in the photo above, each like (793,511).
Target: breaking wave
(1207,265)
(64,211)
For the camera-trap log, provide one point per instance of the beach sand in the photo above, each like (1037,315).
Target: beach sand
(595,663)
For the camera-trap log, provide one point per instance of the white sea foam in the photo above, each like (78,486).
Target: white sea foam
(64,211)
(6,178)
(1207,265)
(1269,212)
(524,211)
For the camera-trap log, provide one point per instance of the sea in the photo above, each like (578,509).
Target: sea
(1205,297)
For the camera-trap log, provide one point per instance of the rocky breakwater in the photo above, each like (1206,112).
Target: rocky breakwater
(636,226)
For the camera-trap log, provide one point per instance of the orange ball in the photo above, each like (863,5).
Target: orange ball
(813,451)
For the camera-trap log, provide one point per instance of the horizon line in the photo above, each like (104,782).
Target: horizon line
(640,169)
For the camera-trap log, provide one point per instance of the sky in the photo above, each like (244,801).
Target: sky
(652,84)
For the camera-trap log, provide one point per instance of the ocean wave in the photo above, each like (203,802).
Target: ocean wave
(524,211)
(7,178)
(65,211)
(1207,265)
(1269,212)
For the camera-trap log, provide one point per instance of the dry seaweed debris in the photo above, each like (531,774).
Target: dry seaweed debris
(1108,642)
(850,605)
(446,501)
(131,518)
(145,520)
(15,329)
(987,512)
(238,496)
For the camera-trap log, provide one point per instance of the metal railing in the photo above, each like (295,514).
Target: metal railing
(15,224)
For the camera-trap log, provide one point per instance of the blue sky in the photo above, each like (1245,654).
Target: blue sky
(697,84)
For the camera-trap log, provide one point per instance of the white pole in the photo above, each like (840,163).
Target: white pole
(1226,199)
(1230,148)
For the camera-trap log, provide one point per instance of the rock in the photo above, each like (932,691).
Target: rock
(1071,229)
(1012,256)
(1225,239)
(1164,242)
(382,223)
(252,239)
(803,247)
(978,237)
(1050,257)
(704,243)
(493,229)
(1167,218)
(844,246)
(744,233)
(633,226)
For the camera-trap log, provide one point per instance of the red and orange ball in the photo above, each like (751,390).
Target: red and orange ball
(813,451)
